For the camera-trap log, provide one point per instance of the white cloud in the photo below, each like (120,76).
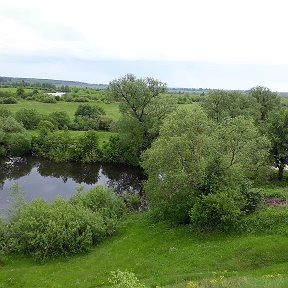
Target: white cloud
(206,31)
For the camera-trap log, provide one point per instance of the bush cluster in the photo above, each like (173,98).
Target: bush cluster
(14,140)
(60,146)
(48,230)
(268,220)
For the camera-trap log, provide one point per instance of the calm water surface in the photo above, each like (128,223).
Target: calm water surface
(38,177)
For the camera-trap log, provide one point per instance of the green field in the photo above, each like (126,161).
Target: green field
(112,110)
(161,255)
(13,90)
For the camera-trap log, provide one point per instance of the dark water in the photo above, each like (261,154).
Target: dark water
(38,177)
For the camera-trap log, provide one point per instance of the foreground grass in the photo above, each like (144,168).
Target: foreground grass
(160,255)
(112,109)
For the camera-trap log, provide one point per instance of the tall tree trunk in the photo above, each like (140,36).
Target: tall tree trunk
(281,171)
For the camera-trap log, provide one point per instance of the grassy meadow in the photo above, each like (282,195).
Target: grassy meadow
(111,109)
(161,255)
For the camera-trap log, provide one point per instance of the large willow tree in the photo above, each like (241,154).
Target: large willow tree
(194,157)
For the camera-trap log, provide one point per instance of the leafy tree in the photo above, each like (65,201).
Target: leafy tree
(45,126)
(88,117)
(220,104)
(277,129)
(143,106)
(54,145)
(28,117)
(18,144)
(20,92)
(193,157)
(10,125)
(86,148)
(4,112)
(181,151)
(89,111)
(267,100)
(60,119)
(242,146)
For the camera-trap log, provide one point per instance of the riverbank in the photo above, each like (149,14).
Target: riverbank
(162,255)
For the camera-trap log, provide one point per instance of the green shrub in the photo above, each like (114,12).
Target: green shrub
(4,112)
(269,220)
(60,119)
(101,199)
(252,200)
(45,126)
(86,148)
(125,279)
(30,118)
(18,144)
(10,125)
(2,236)
(9,100)
(46,230)
(220,211)
(48,99)
(3,151)
(132,201)
(117,151)
(54,145)
(105,123)
(87,117)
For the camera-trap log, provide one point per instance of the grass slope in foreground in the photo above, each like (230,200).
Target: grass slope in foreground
(160,255)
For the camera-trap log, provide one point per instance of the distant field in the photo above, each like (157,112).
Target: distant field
(13,90)
(112,110)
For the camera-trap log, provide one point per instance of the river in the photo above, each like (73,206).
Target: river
(38,177)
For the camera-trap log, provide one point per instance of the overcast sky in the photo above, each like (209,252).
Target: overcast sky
(185,43)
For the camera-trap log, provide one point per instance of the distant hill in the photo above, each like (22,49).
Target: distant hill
(10,80)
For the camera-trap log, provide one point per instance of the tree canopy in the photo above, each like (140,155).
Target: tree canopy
(143,106)
(277,129)
(193,157)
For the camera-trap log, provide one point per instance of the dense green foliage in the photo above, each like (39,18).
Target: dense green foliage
(267,101)
(89,117)
(143,107)
(209,162)
(62,146)
(30,118)
(220,104)
(14,140)
(277,130)
(47,230)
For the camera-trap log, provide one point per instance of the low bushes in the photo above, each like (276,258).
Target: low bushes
(60,146)
(269,220)
(47,230)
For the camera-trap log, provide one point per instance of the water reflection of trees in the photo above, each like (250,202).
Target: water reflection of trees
(15,168)
(79,172)
(123,178)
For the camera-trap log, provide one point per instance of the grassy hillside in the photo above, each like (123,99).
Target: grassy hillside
(161,255)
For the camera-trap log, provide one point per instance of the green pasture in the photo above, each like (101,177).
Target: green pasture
(111,109)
